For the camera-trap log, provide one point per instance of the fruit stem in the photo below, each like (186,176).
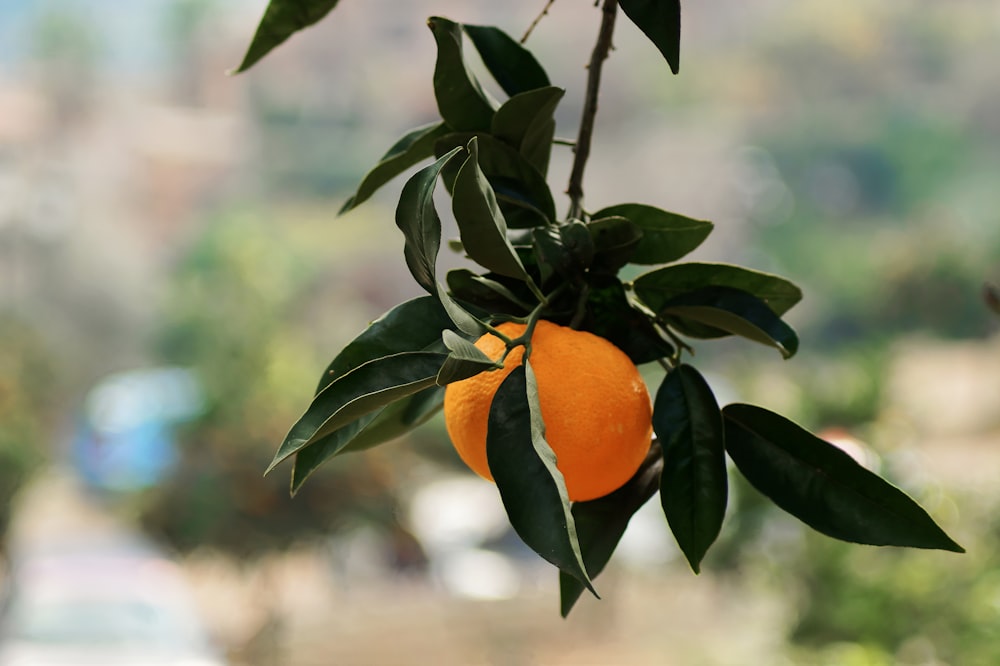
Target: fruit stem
(582,150)
(678,343)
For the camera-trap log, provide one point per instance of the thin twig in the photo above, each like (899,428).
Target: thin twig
(538,19)
(582,151)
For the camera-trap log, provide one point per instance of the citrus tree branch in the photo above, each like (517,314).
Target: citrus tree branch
(581,152)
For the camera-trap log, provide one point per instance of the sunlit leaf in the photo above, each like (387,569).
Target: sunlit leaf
(660,20)
(694,487)
(461,100)
(417,145)
(522,192)
(512,65)
(480,222)
(413,325)
(526,122)
(666,236)
(524,468)
(379,427)
(281,20)
(658,287)
(359,392)
(824,487)
(465,360)
(417,218)
(600,524)
(729,310)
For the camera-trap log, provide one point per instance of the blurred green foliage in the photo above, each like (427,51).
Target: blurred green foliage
(242,312)
(29,407)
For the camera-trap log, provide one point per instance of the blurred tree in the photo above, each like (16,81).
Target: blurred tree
(30,393)
(227,316)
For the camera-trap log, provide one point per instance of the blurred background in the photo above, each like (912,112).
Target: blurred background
(173,280)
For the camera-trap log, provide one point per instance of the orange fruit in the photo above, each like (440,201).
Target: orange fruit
(596,408)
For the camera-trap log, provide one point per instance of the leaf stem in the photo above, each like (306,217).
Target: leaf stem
(581,152)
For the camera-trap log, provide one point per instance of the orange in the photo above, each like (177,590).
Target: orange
(596,408)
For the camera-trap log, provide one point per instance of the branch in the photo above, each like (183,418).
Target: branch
(582,151)
(538,19)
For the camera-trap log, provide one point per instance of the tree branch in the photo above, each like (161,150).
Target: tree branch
(582,150)
(538,19)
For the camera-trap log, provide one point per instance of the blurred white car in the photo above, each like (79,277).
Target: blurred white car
(108,609)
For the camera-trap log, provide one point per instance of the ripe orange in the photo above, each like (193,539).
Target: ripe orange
(596,408)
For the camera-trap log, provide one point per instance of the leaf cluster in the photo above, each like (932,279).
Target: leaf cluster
(492,158)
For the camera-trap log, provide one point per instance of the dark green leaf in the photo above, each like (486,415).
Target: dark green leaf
(512,65)
(359,392)
(464,361)
(461,100)
(600,524)
(694,488)
(666,236)
(480,222)
(281,20)
(615,241)
(824,487)
(610,316)
(525,122)
(417,145)
(414,325)
(657,288)
(729,310)
(524,468)
(417,218)
(485,293)
(566,250)
(370,430)
(660,20)
(522,192)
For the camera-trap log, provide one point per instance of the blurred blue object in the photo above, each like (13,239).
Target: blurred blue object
(125,438)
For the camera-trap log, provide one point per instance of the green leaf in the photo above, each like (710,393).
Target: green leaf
(397,419)
(657,288)
(486,293)
(729,310)
(463,103)
(512,65)
(694,487)
(600,524)
(384,425)
(525,122)
(359,392)
(464,361)
(522,193)
(666,236)
(524,468)
(615,241)
(660,20)
(281,20)
(824,487)
(566,250)
(414,325)
(610,316)
(480,222)
(417,218)
(417,145)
